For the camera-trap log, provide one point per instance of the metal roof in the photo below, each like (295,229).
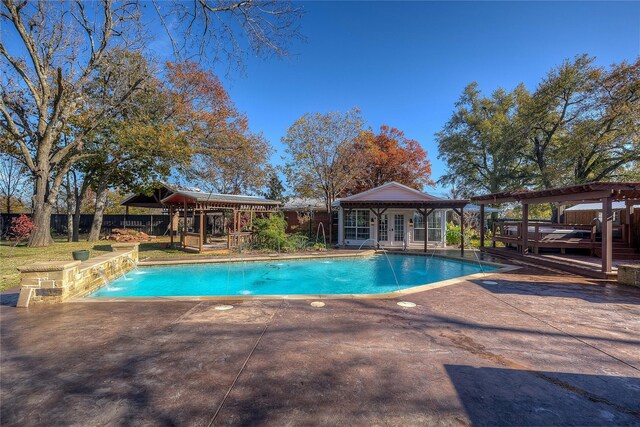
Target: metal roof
(178,194)
(297,203)
(200,196)
(596,207)
(476,208)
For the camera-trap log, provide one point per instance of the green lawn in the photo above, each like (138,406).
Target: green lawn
(14,257)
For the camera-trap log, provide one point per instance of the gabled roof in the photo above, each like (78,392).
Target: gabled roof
(391,192)
(396,195)
(181,196)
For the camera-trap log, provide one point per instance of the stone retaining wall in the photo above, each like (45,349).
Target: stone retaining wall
(52,282)
(629,275)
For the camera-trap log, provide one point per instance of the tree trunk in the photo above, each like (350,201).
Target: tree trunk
(9,205)
(41,235)
(79,199)
(70,209)
(101,204)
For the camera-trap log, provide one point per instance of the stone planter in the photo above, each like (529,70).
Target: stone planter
(629,275)
(80,255)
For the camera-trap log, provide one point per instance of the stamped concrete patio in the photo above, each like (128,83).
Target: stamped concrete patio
(538,348)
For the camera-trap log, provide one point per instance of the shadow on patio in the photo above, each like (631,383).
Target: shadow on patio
(506,397)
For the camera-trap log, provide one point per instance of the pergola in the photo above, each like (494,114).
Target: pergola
(192,201)
(605,192)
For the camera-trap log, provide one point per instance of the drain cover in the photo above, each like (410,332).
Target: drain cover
(317,304)
(222,307)
(489,282)
(406,304)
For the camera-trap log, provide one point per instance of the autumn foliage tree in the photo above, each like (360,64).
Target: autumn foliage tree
(226,156)
(21,228)
(56,48)
(391,156)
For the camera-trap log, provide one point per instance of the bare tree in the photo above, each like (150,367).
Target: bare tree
(323,158)
(13,180)
(57,46)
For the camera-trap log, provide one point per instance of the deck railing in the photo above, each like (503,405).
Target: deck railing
(549,235)
(239,238)
(546,235)
(192,241)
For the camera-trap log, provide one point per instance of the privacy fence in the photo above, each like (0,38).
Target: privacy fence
(151,224)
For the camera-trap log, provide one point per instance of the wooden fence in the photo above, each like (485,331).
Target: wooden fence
(155,225)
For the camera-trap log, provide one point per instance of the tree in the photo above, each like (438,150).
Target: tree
(21,228)
(390,156)
(60,45)
(581,124)
(139,145)
(323,157)
(275,189)
(227,156)
(604,142)
(13,181)
(482,145)
(547,115)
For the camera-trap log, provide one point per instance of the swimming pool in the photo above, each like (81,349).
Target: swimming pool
(323,276)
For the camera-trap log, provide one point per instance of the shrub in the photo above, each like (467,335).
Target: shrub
(320,247)
(21,228)
(453,234)
(270,232)
(296,242)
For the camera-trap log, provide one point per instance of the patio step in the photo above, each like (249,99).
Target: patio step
(621,251)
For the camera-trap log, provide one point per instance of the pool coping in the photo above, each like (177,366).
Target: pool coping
(251,258)
(500,268)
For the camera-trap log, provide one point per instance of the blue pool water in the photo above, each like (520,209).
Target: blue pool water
(362,275)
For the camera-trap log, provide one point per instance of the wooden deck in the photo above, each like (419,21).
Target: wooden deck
(577,264)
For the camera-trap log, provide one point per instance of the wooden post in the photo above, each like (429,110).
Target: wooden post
(626,227)
(462,231)
(481,226)
(561,218)
(184,224)
(607,222)
(426,228)
(631,216)
(524,229)
(202,231)
(493,234)
(171,226)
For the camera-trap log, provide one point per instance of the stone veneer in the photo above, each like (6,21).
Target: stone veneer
(51,282)
(629,275)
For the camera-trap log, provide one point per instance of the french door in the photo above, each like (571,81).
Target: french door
(391,228)
(398,226)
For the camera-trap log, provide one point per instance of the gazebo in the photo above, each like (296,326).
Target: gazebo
(527,235)
(193,202)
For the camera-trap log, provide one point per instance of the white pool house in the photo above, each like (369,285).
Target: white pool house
(394,216)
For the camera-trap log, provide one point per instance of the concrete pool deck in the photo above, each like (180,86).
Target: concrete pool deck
(538,348)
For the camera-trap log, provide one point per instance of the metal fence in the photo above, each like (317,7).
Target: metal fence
(151,224)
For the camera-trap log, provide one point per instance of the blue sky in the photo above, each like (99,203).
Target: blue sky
(405,64)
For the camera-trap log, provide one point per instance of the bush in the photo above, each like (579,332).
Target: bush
(21,228)
(320,247)
(453,234)
(270,232)
(296,242)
